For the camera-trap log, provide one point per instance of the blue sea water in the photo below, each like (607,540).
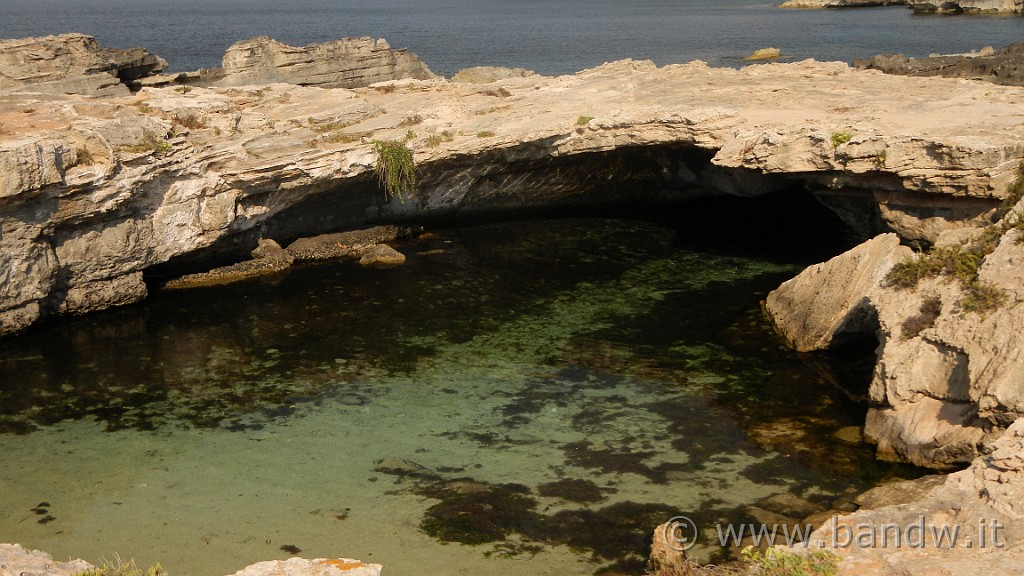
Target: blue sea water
(549,36)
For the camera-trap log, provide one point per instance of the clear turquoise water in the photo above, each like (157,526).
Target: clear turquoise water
(623,359)
(550,36)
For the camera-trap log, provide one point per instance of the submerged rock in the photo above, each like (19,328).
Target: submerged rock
(382,256)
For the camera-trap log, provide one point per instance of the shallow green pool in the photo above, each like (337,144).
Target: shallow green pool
(526,397)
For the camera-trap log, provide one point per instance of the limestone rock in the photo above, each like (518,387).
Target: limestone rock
(838,3)
(833,299)
(983,503)
(382,256)
(899,492)
(1003,66)
(764,54)
(947,380)
(94,192)
(345,63)
(489,74)
(667,557)
(15,560)
(71,64)
(967,6)
(316,567)
(350,243)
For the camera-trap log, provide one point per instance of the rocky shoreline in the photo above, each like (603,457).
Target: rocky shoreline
(101,198)
(918,6)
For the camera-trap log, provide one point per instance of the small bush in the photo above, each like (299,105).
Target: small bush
(189,120)
(501,92)
(924,319)
(150,144)
(435,140)
(982,297)
(410,121)
(839,138)
(583,120)
(484,134)
(396,169)
(85,157)
(385,89)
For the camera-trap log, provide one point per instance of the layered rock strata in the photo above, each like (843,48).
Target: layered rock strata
(72,64)
(345,63)
(95,194)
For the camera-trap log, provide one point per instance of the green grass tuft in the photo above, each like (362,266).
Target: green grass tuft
(839,138)
(396,169)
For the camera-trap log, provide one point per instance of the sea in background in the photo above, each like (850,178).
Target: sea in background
(549,36)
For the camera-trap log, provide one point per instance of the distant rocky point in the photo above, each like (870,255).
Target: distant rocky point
(77,64)
(72,64)
(1003,66)
(919,6)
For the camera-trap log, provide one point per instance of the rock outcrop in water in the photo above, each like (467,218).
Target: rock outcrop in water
(967,6)
(838,3)
(1003,66)
(72,64)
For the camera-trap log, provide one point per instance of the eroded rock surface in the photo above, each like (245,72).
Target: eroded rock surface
(950,375)
(97,193)
(345,63)
(71,64)
(981,509)
(15,560)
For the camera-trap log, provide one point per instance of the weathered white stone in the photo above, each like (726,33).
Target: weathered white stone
(16,560)
(834,298)
(92,190)
(71,64)
(345,63)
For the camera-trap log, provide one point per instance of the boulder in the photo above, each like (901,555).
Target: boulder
(268,249)
(382,256)
(831,300)
(72,64)
(345,63)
